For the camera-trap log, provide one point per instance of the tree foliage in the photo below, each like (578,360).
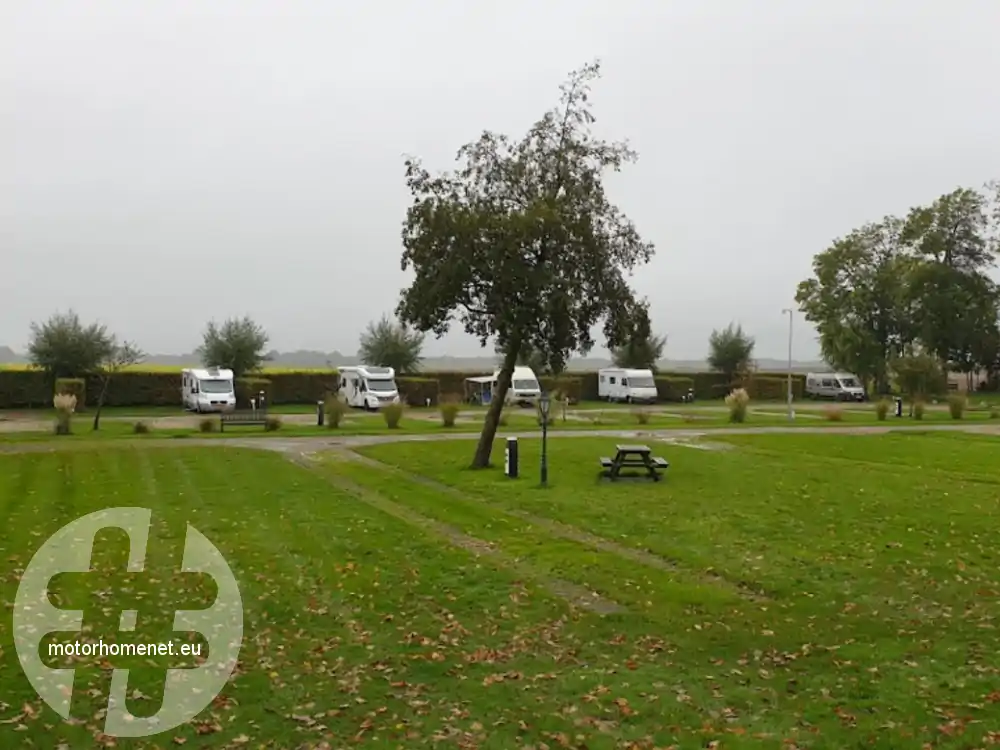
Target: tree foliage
(902,285)
(640,352)
(919,376)
(125,354)
(389,343)
(65,348)
(730,351)
(520,243)
(238,344)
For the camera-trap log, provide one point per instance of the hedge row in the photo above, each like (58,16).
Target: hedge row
(31,388)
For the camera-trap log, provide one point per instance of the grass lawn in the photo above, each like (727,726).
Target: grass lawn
(796,591)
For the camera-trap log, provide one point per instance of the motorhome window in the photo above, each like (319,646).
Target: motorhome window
(828,384)
(849,383)
(611,380)
(624,381)
(528,385)
(216,386)
(642,382)
(602,378)
(383,386)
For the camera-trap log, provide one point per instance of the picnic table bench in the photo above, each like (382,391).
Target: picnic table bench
(631,457)
(242,418)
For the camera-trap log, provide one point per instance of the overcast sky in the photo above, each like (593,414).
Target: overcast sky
(167,162)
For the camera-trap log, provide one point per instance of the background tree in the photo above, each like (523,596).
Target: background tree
(389,343)
(729,351)
(238,344)
(857,300)
(521,244)
(640,352)
(65,348)
(919,376)
(121,356)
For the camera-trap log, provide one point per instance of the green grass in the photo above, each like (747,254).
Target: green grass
(809,591)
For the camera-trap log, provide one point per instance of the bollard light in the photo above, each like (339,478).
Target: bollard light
(544,404)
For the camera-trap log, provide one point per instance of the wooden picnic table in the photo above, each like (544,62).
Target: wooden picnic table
(630,458)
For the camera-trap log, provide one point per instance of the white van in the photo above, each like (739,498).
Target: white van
(631,386)
(207,390)
(368,387)
(839,386)
(524,388)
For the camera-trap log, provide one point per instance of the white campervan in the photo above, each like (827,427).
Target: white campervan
(621,384)
(208,390)
(840,386)
(367,387)
(524,388)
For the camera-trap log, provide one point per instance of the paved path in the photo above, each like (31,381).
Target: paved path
(319,442)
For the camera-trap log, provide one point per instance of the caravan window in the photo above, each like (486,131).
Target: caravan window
(611,380)
(624,381)
(829,384)
(216,386)
(602,378)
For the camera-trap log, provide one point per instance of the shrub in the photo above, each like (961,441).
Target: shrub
(206,425)
(956,405)
(75,387)
(641,416)
(392,414)
(449,413)
(333,411)
(737,403)
(673,388)
(271,424)
(918,410)
(563,386)
(65,405)
(833,414)
(882,407)
(994,413)
(250,388)
(141,428)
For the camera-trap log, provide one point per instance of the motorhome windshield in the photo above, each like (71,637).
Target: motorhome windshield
(216,386)
(641,382)
(525,385)
(382,386)
(849,383)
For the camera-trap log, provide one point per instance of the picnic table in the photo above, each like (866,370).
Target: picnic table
(631,458)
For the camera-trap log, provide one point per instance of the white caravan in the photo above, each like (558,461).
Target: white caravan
(621,384)
(208,390)
(840,386)
(524,388)
(367,387)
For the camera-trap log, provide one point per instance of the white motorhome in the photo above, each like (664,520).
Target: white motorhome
(368,387)
(622,384)
(208,390)
(839,386)
(524,388)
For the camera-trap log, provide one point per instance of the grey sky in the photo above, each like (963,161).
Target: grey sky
(168,162)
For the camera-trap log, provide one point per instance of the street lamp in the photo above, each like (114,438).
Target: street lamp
(791,413)
(543,406)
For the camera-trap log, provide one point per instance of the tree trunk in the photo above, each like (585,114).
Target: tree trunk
(482,458)
(100,402)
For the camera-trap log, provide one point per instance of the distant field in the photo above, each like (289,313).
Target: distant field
(178,368)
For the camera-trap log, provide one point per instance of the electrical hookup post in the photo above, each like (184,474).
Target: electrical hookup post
(510,458)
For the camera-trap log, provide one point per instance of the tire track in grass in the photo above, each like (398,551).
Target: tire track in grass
(573,533)
(577,595)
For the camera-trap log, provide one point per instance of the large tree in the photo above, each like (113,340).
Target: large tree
(858,302)
(521,243)
(640,352)
(238,344)
(389,343)
(730,350)
(65,348)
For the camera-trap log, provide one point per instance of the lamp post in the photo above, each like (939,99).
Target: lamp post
(791,413)
(543,405)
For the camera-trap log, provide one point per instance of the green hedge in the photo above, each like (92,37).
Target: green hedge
(73,386)
(250,387)
(568,385)
(415,391)
(673,388)
(773,388)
